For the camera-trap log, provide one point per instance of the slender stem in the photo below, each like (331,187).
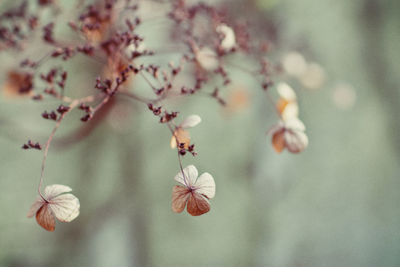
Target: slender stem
(73,104)
(185,180)
(138,98)
(147,80)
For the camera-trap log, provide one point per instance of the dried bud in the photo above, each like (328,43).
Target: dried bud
(53,116)
(62,109)
(87,117)
(45,115)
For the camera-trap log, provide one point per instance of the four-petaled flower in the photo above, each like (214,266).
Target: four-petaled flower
(289,134)
(195,191)
(56,202)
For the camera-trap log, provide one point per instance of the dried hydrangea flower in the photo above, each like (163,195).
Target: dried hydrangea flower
(287,104)
(56,202)
(289,134)
(195,191)
(182,134)
(228,40)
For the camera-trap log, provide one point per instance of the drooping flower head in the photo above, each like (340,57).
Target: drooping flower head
(58,203)
(289,134)
(195,191)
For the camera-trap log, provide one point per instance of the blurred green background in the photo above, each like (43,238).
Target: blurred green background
(335,204)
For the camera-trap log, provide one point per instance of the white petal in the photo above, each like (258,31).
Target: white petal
(205,185)
(295,124)
(65,207)
(286,92)
(291,111)
(54,190)
(229,40)
(191,175)
(190,121)
(296,141)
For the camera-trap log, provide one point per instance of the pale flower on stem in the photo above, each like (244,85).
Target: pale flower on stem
(56,202)
(289,134)
(194,192)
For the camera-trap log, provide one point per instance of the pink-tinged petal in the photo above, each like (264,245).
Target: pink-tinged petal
(180,196)
(190,173)
(65,207)
(205,185)
(296,141)
(190,121)
(197,204)
(35,207)
(54,190)
(45,218)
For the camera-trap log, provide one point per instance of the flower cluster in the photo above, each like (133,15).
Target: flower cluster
(207,39)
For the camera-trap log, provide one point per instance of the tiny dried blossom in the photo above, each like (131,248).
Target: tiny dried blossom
(228,39)
(182,134)
(195,192)
(289,134)
(33,145)
(56,202)
(287,104)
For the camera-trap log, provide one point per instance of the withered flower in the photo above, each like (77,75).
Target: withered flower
(289,134)
(195,191)
(56,202)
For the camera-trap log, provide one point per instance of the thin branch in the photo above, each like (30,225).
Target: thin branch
(73,104)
